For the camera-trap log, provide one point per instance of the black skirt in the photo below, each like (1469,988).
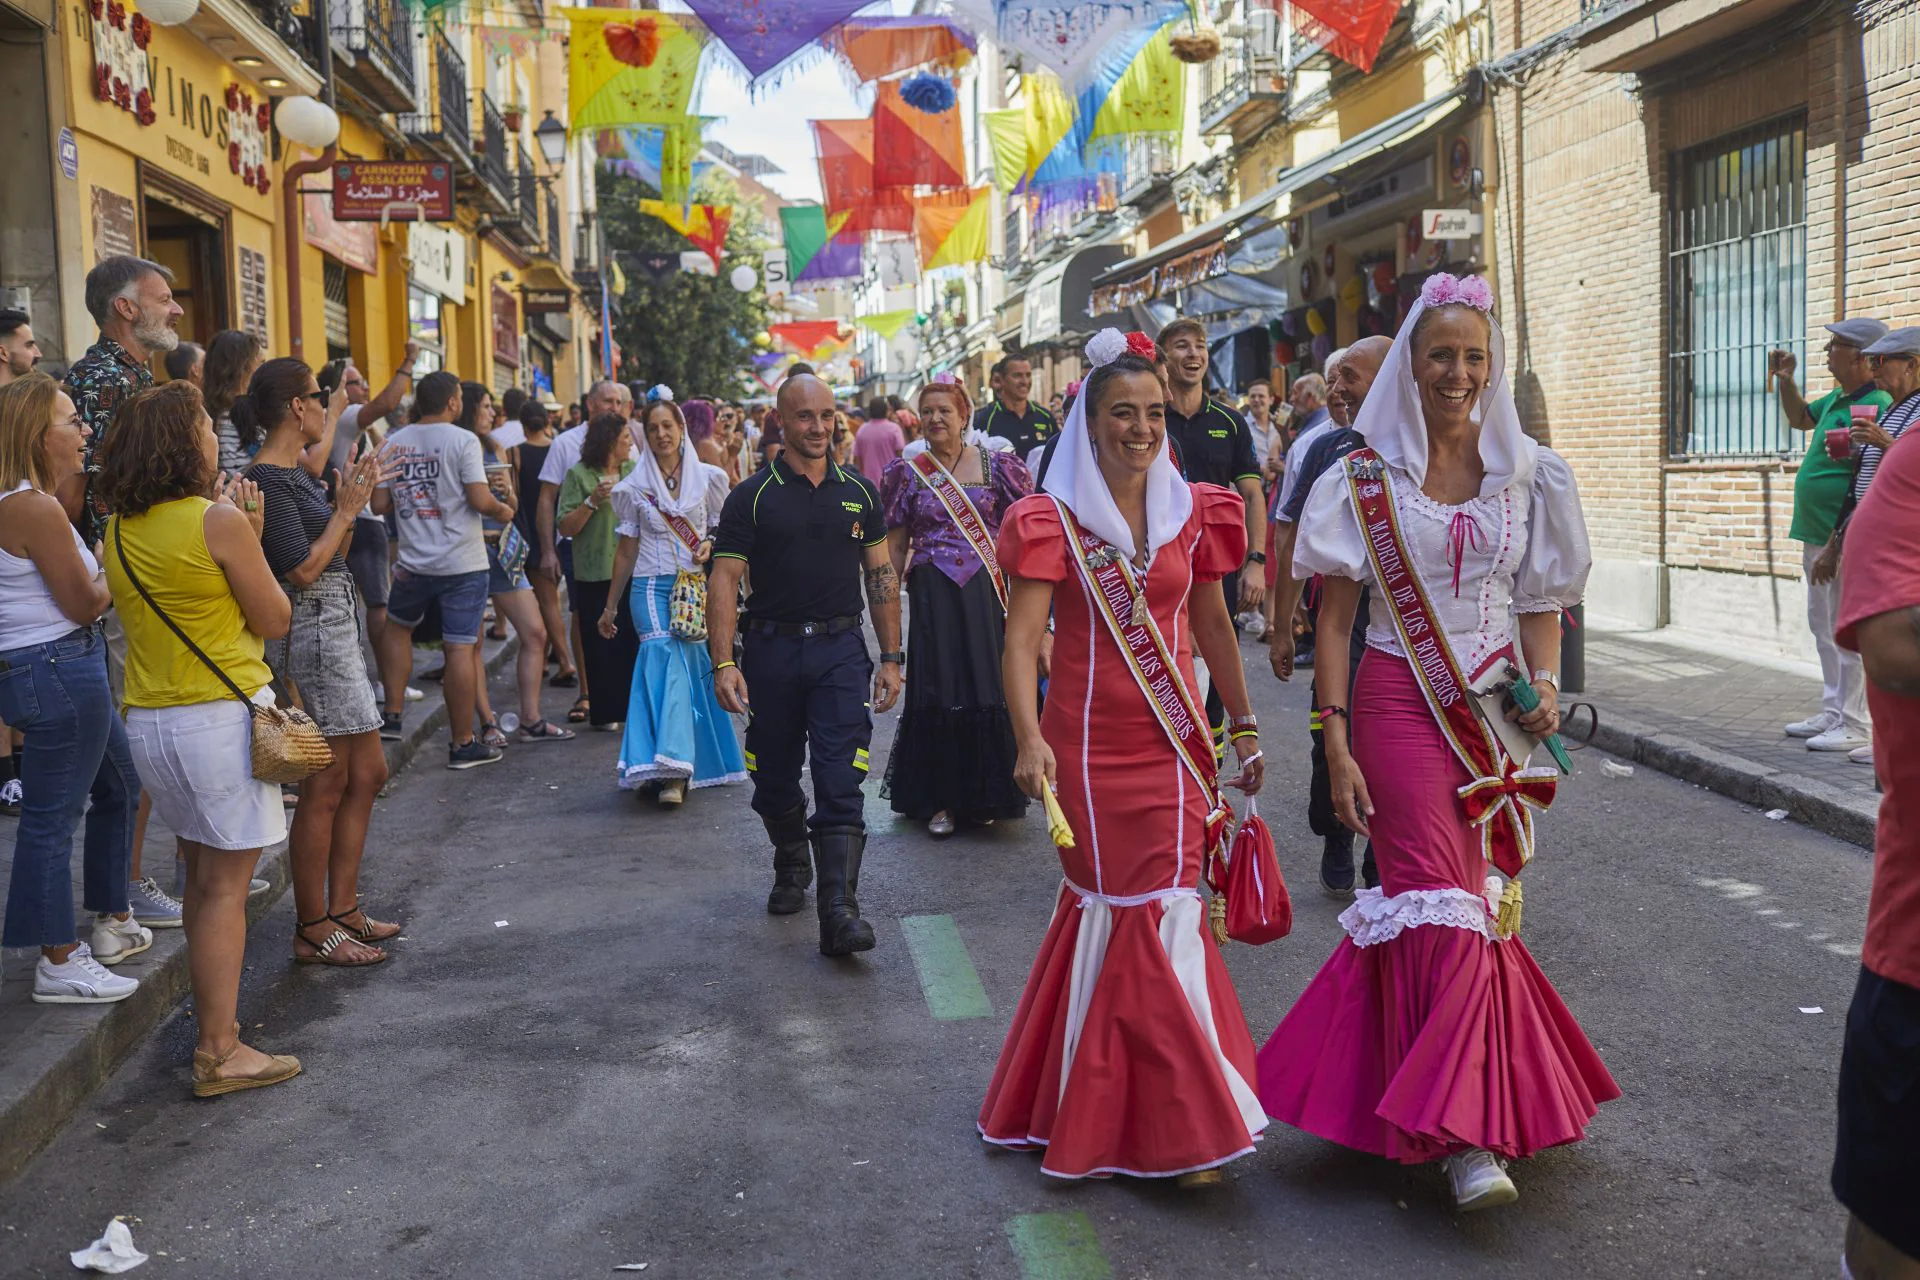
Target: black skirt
(954,750)
(609,662)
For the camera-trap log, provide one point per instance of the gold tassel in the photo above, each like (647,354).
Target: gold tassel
(1058,829)
(1217,917)
(1506,920)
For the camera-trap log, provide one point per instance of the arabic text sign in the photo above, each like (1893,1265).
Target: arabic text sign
(362,188)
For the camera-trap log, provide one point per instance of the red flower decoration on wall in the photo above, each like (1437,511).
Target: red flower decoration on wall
(233,97)
(122,94)
(265,182)
(116,15)
(233,156)
(142,30)
(264,119)
(143,107)
(246,104)
(103,82)
(96,8)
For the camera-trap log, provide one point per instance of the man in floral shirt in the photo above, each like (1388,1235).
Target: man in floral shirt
(131,300)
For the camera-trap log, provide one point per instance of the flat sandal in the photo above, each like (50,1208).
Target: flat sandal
(368,930)
(329,945)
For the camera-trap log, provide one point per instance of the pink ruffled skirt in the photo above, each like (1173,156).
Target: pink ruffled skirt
(1424,1035)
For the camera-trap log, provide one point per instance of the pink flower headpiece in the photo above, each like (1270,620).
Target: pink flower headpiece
(1443,290)
(945,378)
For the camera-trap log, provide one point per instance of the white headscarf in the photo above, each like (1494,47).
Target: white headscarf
(1394,425)
(648,478)
(1074,476)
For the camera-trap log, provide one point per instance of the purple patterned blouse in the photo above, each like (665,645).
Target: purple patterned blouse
(910,504)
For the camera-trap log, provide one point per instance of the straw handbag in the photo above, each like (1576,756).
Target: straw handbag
(287,745)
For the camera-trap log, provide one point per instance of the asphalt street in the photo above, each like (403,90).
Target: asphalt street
(595,1048)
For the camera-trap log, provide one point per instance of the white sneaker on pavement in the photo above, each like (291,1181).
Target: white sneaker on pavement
(1862,755)
(80,980)
(1840,738)
(1814,725)
(116,940)
(153,906)
(1480,1181)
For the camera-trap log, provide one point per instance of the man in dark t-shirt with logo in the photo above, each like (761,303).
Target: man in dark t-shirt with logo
(1010,414)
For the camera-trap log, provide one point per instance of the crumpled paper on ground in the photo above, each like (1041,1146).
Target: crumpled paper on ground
(112,1253)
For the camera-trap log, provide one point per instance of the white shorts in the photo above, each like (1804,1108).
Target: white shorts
(196,762)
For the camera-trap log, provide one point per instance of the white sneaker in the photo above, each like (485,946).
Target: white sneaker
(1862,755)
(1814,725)
(1480,1181)
(415,695)
(80,980)
(116,940)
(153,906)
(380,693)
(11,793)
(1839,738)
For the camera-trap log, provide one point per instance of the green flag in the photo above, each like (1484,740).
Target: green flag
(885,323)
(806,228)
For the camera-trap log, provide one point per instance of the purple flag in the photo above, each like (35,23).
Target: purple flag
(837,261)
(765,33)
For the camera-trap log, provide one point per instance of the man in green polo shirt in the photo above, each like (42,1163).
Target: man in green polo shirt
(1818,491)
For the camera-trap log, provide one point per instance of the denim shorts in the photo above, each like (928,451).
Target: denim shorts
(320,654)
(462,597)
(196,762)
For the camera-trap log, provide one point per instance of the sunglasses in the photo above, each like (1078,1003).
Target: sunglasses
(318,397)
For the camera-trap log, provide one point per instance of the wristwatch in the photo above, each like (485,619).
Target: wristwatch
(1545,676)
(1257,557)
(897,659)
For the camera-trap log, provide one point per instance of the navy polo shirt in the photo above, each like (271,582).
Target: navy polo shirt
(1026,430)
(1214,446)
(805,545)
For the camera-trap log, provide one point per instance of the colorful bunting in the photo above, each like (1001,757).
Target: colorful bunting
(806,228)
(658,267)
(913,147)
(950,227)
(1352,30)
(838,259)
(626,68)
(704,224)
(1073,38)
(873,48)
(1149,95)
(886,323)
(808,337)
(762,34)
(1007,138)
(846,179)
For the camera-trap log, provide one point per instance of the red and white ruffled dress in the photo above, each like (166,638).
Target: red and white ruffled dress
(1129,1052)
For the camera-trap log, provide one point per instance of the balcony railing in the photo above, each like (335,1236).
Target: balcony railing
(294,30)
(380,36)
(1151,161)
(491,157)
(445,123)
(529,200)
(1253,89)
(553,225)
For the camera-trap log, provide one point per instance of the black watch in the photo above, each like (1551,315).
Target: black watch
(897,659)
(1256,557)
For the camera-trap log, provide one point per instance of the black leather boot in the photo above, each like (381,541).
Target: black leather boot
(837,852)
(792,868)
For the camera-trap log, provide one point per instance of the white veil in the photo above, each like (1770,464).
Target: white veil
(1391,418)
(1074,474)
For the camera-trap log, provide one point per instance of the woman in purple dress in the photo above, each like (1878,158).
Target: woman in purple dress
(953,755)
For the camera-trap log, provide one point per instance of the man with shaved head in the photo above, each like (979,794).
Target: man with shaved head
(1348,381)
(809,533)
(556,556)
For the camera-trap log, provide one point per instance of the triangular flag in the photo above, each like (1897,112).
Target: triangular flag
(886,323)
(806,228)
(627,68)
(1352,30)
(704,224)
(762,34)
(1050,117)
(806,336)
(912,147)
(846,178)
(1007,135)
(951,226)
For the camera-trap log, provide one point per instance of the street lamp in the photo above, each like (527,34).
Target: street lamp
(552,137)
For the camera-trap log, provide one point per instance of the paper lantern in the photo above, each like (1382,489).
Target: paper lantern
(169,13)
(928,93)
(1316,323)
(1353,293)
(1284,352)
(743,278)
(1322,347)
(307,121)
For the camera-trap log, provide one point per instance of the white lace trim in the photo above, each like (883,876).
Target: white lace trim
(1375,918)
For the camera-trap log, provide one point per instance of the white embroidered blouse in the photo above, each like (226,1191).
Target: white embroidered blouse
(1522,549)
(661,552)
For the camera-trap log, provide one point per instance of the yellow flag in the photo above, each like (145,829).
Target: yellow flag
(1151,94)
(1007,134)
(628,67)
(885,323)
(1049,116)
(956,234)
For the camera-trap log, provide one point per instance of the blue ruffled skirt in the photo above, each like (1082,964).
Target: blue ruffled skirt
(675,726)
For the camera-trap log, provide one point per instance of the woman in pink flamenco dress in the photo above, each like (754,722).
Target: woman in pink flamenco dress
(1129,1052)
(1428,1035)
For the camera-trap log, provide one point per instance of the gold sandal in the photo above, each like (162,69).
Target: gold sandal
(209,1083)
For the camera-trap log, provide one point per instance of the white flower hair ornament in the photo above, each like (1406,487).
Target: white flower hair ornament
(1443,290)
(658,392)
(1105,347)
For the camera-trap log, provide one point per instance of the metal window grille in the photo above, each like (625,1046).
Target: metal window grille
(1736,288)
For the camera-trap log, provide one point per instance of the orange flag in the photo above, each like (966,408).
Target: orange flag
(914,148)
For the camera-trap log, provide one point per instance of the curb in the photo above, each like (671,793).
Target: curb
(1844,815)
(51,1070)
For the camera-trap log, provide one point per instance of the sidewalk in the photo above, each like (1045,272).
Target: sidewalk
(1676,704)
(53,1056)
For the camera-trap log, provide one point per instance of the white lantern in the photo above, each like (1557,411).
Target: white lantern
(743,278)
(169,13)
(307,121)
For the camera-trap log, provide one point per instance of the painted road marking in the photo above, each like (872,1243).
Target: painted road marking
(947,976)
(1057,1246)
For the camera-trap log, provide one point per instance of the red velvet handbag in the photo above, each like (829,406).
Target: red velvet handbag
(1257,906)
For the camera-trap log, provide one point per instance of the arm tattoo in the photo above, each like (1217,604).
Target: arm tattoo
(883,585)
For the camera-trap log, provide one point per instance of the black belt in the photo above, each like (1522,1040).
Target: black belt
(825,627)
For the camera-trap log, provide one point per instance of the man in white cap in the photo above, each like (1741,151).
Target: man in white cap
(1819,489)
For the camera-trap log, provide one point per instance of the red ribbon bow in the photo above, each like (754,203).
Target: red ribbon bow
(1483,797)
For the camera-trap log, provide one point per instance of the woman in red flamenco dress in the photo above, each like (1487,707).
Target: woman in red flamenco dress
(1129,1053)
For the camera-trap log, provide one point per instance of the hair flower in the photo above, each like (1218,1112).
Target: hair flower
(1139,344)
(1105,347)
(1443,290)
(658,392)
(945,378)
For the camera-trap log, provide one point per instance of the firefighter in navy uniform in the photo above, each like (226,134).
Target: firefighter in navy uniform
(1011,415)
(810,533)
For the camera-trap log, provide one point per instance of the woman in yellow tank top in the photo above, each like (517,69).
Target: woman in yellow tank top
(193,543)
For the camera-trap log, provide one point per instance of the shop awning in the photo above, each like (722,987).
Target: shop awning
(1389,133)
(1058,298)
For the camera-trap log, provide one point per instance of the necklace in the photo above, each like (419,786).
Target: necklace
(673,479)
